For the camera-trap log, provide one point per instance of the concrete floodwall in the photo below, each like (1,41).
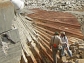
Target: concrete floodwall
(14,35)
(6,16)
(9,52)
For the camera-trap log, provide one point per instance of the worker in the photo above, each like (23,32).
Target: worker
(55,41)
(65,45)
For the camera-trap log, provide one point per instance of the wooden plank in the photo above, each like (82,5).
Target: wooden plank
(24,57)
(69,31)
(45,51)
(57,22)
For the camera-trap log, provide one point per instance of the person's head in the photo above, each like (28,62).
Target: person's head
(62,34)
(56,33)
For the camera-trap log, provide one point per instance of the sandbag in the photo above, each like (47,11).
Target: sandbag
(18,4)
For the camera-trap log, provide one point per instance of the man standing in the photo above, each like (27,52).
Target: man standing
(55,41)
(65,44)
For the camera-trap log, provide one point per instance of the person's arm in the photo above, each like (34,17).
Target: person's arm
(51,42)
(60,41)
(66,39)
